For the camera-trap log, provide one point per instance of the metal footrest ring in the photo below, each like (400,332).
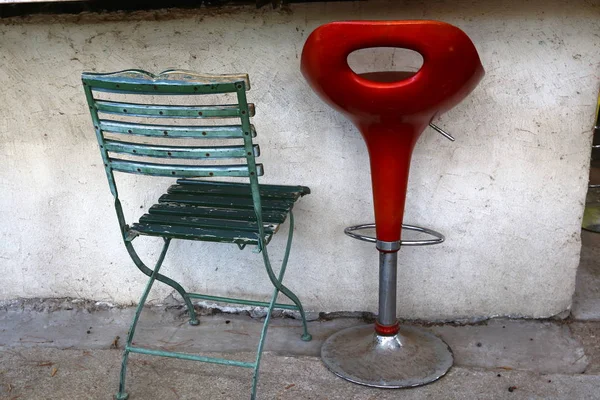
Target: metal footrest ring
(438,237)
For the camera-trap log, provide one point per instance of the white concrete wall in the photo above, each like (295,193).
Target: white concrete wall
(508,193)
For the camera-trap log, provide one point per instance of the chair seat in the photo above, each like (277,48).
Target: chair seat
(217,212)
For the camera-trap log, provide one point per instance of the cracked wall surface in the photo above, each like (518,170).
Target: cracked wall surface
(508,194)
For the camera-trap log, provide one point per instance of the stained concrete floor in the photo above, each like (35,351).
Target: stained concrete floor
(68,350)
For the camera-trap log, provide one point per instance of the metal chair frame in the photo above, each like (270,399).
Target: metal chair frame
(245,201)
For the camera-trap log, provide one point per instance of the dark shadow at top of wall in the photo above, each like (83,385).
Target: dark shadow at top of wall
(76,7)
(100,6)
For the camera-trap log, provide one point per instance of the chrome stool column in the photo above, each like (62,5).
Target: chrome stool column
(391,110)
(387,355)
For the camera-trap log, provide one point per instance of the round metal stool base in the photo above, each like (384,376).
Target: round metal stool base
(414,357)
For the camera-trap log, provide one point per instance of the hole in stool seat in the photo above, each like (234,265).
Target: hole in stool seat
(385,64)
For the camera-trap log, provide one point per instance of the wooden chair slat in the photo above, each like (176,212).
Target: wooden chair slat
(175,170)
(179,152)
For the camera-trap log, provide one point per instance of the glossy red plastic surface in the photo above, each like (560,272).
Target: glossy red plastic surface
(391,109)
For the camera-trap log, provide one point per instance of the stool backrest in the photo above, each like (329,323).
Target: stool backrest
(122,150)
(451,69)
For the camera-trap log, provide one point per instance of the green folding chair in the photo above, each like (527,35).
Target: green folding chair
(192,209)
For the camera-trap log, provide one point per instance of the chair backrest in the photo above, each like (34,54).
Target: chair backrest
(122,149)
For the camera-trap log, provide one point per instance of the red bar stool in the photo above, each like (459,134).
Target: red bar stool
(391,110)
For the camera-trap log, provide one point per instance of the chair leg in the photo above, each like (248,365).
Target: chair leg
(278,282)
(261,343)
(121,394)
(166,280)
(279,287)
